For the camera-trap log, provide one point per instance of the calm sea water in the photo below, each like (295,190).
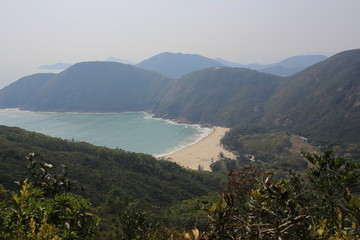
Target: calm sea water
(132,131)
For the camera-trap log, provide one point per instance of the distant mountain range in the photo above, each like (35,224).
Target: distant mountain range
(175,65)
(286,67)
(321,102)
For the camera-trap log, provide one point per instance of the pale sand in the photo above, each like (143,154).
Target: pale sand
(203,152)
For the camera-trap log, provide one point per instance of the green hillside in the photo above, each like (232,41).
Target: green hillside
(321,102)
(20,92)
(219,95)
(101,87)
(103,172)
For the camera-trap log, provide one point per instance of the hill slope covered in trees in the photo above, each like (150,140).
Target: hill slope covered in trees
(320,102)
(89,87)
(219,95)
(105,174)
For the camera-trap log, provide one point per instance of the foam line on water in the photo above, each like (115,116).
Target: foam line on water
(203,132)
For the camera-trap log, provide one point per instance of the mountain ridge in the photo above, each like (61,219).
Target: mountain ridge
(286,67)
(217,95)
(78,89)
(175,65)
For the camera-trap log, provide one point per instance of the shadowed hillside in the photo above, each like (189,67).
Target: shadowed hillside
(219,95)
(20,92)
(103,171)
(96,86)
(322,101)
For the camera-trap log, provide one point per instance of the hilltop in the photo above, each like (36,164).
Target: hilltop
(219,95)
(88,87)
(175,65)
(320,102)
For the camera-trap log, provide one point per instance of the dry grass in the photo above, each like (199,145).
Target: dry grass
(299,144)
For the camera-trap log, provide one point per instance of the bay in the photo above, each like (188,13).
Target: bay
(131,131)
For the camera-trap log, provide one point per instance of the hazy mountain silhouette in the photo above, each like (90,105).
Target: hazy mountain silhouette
(88,86)
(175,65)
(286,67)
(321,101)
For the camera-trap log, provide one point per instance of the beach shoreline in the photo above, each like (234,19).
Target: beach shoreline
(201,153)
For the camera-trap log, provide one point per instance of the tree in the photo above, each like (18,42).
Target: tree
(43,210)
(253,206)
(332,179)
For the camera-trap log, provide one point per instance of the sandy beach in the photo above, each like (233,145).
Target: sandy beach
(203,152)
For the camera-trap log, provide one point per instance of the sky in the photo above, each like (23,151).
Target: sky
(41,32)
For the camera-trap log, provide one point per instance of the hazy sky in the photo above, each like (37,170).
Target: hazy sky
(39,32)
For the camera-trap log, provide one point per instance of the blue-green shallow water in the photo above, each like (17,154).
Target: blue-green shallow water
(131,131)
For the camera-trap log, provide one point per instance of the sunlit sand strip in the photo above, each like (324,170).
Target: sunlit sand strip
(203,152)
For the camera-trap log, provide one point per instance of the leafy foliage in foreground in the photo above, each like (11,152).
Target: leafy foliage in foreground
(45,209)
(254,206)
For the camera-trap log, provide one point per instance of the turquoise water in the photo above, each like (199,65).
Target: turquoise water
(131,131)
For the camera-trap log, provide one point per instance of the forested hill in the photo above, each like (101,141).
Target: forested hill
(20,92)
(105,174)
(89,87)
(219,95)
(321,102)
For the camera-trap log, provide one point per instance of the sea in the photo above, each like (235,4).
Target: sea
(131,131)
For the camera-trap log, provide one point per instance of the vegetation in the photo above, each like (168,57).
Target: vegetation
(253,205)
(114,173)
(271,150)
(220,96)
(89,87)
(28,86)
(45,209)
(320,102)
(156,199)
